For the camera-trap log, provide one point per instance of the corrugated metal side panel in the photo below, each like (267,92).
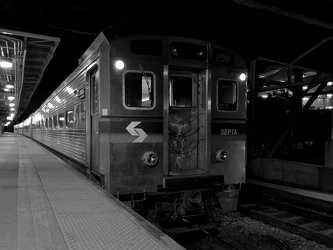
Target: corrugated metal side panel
(69,142)
(37,134)
(66,97)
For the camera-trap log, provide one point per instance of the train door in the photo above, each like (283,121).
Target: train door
(94,120)
(186,123)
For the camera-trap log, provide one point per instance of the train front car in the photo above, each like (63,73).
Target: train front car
(168,120)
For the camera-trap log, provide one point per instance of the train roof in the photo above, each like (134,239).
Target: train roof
(101,38)
(109,37)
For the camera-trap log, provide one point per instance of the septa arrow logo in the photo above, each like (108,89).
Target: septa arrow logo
(136,131)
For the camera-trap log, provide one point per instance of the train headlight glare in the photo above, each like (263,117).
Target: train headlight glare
(242,77)
(221,155)
(150,159)
(119,64)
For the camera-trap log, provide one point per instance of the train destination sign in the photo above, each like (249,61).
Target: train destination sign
(223,57)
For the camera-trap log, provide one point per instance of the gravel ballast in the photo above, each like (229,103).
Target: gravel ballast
(247,233)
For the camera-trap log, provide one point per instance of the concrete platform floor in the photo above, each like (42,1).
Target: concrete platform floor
(44,205)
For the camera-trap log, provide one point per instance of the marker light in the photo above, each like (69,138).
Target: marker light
(221,155)
(242,77)
(119,64)
(150,159)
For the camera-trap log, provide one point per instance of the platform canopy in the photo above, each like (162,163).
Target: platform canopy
(29,55)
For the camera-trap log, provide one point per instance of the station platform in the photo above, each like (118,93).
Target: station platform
(46,204)
(319,195)
(256,188)
(303,175)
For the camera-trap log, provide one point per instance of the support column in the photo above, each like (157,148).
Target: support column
(329,154)
(1,127)
(253,97)
(329,149)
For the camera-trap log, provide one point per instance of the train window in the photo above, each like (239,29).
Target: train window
(188,51)
(80,116)
(226,95)
(55,121)
(61,120)
(50,123)
(146,47)
(94,92)
(46,123)
(139,89)
(69,118)
(180,91)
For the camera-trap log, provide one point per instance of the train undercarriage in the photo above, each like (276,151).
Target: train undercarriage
(182,212)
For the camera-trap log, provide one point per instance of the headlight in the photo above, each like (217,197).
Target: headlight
(150,159)
(119,64)
(242,77)
(221,155)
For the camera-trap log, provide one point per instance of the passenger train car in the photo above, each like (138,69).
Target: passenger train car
(154,119)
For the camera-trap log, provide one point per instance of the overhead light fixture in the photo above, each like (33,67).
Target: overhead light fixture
(12,109)
(10,117)
(10,98)
(6,89)
(9,86)
(11,104)
(6,63)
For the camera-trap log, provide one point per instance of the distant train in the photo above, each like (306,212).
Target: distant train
(158,121)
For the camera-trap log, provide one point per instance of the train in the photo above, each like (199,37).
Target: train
(158,121)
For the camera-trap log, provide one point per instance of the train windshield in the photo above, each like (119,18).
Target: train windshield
(226,95)
(139,89)
(180,91)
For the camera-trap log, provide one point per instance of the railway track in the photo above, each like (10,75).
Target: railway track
(308,223)
(220,244)
(202,239)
